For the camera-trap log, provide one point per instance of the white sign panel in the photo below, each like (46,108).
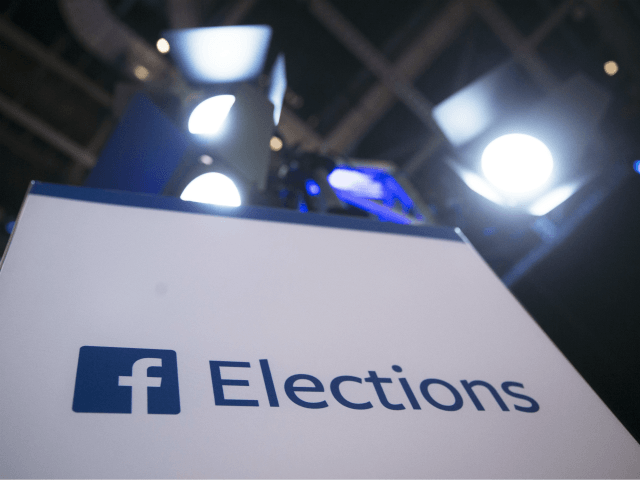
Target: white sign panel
(148,337)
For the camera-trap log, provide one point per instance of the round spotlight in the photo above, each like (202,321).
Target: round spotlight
(163,45)
(208,116)
(214,188)
(636,166)
(517,163)
(611,68)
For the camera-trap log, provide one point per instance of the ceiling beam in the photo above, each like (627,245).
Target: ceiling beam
(523,52)
(41,129)
(416,59)
(48,59)
(374,60)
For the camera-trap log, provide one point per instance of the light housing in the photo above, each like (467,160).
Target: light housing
(564,120)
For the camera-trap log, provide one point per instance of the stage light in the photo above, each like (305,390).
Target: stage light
(636,166)
(356,182)
(517,163)
(220,54)
(163,45)
(275,143)
(208,116)
(312,187)
(214,188)
(611,68)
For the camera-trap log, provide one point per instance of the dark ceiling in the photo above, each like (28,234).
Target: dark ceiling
(363,77)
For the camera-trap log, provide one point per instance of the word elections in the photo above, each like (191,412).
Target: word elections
(296,384)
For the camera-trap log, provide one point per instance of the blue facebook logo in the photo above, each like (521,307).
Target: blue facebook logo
(126,380)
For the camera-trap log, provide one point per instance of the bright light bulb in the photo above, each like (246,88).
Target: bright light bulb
(163,45)
(214,188)
(208,116)
(356,182)
(517,163)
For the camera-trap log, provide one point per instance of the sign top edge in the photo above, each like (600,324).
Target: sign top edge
(159,202)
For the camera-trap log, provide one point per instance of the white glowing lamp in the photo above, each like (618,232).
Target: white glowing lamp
(214,188)
(209,115)
(517,163)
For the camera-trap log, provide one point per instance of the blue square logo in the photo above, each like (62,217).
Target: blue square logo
(126,380)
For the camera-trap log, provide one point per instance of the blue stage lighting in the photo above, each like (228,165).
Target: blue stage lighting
(220,54)
(636,166)
(312,187)
(375,191)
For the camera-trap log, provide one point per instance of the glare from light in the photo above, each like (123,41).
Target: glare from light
(312,187)
(480,186)
(552,199)
(208,116)
(275,143)
(517,163)
(611,68)
(356,182)
(206,159)
(214,188)
(636,166)
(163,45)
(141,73)
(464,115)
(278,87)
(220,54)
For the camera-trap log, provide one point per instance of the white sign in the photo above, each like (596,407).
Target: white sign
(149,337)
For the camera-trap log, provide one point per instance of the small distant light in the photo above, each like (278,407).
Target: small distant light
(9,226)
(163,45)
(312,187)
(611,68)
(275,143)
(214,188)
(636,166)
(206,159)
(208,116)
(141,73)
